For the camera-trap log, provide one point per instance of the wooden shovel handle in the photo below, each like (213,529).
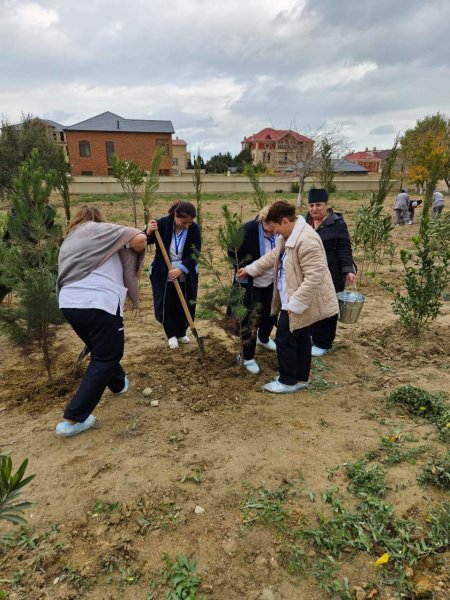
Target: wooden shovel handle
(175,281)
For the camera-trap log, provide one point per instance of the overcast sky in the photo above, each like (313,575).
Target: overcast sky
(220,70)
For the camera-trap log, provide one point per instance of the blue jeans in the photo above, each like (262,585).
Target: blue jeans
(104,336)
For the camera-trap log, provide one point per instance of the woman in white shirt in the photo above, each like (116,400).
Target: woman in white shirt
(98,267)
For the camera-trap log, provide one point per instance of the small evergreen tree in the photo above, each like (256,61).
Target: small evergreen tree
(259,195)
(372,235)
(131,177)
(326,166)
(224,299)
(197,183)
(30,261)
(152,183)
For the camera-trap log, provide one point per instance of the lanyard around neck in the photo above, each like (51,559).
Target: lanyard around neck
(281,264)
(178,239)
(272,240)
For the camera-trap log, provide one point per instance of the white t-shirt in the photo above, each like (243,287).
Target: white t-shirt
(281,283)
(267,277)
(102,289)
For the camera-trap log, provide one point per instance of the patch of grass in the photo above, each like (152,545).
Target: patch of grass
(129,577)
(265,506)
(326,572)
(181,578)
(73,576)
(421,403)
(26,537)
(392,450)
(436,472)
(168,515)
(366,481)
(383,368)
(14,581)
(195,477)
(101,509)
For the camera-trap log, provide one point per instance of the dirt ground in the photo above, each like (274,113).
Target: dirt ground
(109,503)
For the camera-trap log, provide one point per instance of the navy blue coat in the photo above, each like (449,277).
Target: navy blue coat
(336,240)
(250,250)
(159,271)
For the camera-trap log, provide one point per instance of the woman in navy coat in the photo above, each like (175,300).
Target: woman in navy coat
(182,241)
(333,232)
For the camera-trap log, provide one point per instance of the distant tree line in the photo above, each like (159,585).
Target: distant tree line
(221,163)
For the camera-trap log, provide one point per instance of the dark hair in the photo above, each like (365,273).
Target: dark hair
(279,210)
(183,209)
(84,214)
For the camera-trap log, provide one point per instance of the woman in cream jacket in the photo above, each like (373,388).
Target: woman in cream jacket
(303,293)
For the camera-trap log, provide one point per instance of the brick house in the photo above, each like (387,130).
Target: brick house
(278,148)
(368,159)
(92,143)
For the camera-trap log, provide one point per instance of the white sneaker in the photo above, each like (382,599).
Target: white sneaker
(269,345)
(66,429)
(173,343)
(280,388)
(316,351)
(184,339)
(301,385)
(251,365)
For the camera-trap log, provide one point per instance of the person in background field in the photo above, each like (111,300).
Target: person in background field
(303,293)
(333,232)
(413,204)
(437,203)
(401,208)
(259,239)
(182,240)
(98,267)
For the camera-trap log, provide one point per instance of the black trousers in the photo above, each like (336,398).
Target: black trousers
(293,351)
(104,336)
(262,321)
(175,322)
(323,332)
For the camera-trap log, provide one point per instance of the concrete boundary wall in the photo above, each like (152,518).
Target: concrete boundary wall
(219,184)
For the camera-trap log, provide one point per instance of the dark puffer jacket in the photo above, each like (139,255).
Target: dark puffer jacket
(336,240)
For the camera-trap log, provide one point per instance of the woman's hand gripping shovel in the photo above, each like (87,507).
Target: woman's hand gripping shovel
(200,341)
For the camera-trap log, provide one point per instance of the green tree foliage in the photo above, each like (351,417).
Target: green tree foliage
(372,235)
(29,260)
(11,485)
(151,185)
(197,183)
(426,277)
(219,163)
(420,144)
(16,144)
(259,195)
(131,177)
(223,301)
(326,166)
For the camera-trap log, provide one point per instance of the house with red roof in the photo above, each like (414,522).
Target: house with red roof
(278,148)
(369,159)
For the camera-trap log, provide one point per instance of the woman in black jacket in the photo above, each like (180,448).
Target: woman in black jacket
(333,232)
(257,326)
(181,238)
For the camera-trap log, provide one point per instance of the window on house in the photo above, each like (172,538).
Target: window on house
(110,171)
(54,136)
(175,162)
(61,136)
(84,147)
(87,173)
(164,144)
(109,147)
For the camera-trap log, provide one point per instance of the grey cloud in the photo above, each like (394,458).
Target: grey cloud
(382,130)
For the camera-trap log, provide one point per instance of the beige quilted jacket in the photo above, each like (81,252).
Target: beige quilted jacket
(311,292)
